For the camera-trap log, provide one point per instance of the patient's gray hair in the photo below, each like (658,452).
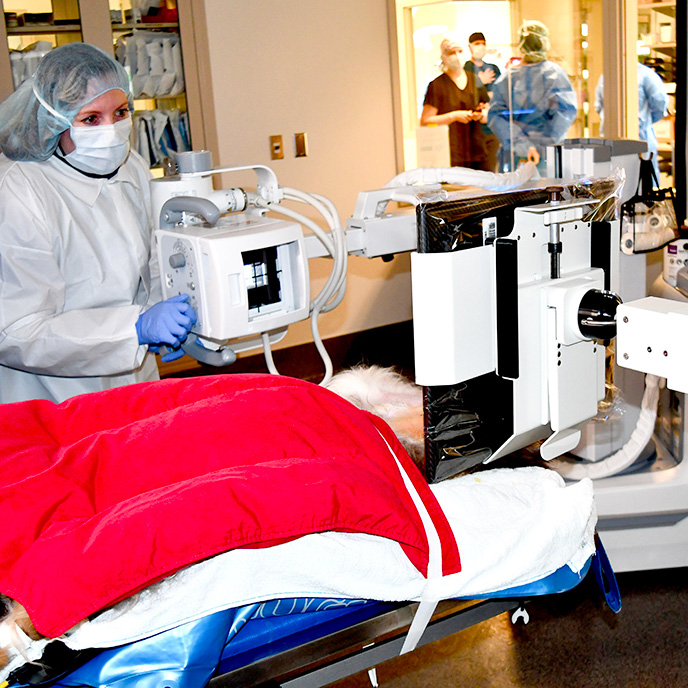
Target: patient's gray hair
(389,395)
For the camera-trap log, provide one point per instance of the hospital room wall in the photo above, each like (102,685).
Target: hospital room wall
(322,68)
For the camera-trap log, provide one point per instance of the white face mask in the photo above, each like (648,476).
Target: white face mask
(453,63)
(100,149)
(479,51)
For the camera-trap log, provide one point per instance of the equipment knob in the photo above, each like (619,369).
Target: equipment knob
(177,260)
(555,193)
(597,314)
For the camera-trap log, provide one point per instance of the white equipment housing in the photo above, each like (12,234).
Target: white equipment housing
(651,337)
(471,327)
(244,276)
(372,231)
(643,513)
(461,334)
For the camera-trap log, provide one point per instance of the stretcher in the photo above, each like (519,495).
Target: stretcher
(500,520)
(304,643)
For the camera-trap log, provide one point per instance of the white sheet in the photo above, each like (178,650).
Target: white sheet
(512,526)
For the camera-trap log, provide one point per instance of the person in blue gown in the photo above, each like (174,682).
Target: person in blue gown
(533,103)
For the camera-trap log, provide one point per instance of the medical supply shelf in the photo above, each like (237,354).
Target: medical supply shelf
(667,8)
(67,21)
(151,51)
(146,26)
(39,29)
(665,48)
(661,16)
(92,24)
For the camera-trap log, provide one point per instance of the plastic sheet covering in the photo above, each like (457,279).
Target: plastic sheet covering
(604,193)
(267,634)
(452,221)
(624,458)
(613,405)
(648,218)
(159,134)
(467,177)
(154,59)
(25,61)
(184,657)
(467,208)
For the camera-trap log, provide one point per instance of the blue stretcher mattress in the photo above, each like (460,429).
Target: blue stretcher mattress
(191,655)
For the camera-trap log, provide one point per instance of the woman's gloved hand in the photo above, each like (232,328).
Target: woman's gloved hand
(173,354)
(167,322)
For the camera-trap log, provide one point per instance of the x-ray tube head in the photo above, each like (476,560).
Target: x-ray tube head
(245,276)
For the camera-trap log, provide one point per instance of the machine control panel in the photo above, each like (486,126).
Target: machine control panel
(180,274)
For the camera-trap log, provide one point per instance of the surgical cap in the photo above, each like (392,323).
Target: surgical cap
(533,39)
(450,40)
(67,78)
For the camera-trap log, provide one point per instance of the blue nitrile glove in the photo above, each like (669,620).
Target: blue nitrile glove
(167,322)
(172,355)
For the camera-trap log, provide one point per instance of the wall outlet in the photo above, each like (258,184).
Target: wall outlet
(276,148)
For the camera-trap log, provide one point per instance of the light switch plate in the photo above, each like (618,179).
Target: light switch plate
(300,145)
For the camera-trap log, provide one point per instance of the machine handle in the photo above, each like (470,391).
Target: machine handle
(267,180)
(217,359)
(174,208)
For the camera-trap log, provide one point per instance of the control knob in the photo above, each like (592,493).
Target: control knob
(177,260)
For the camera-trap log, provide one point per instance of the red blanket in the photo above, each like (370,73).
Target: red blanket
(107,493)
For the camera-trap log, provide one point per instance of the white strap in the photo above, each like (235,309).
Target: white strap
(428,601)
(420,622)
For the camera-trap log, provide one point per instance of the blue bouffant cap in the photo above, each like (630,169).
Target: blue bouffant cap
(67,78)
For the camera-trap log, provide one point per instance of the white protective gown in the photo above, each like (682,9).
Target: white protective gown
(76,272)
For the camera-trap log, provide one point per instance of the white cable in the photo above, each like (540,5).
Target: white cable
(314,227)
(631,451)
(335,285)
(324,356)
(331,242)
(341,251)
(326,241)
(334,289)
(267,352)
(331,286)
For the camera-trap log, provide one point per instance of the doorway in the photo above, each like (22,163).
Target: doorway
(576,39)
